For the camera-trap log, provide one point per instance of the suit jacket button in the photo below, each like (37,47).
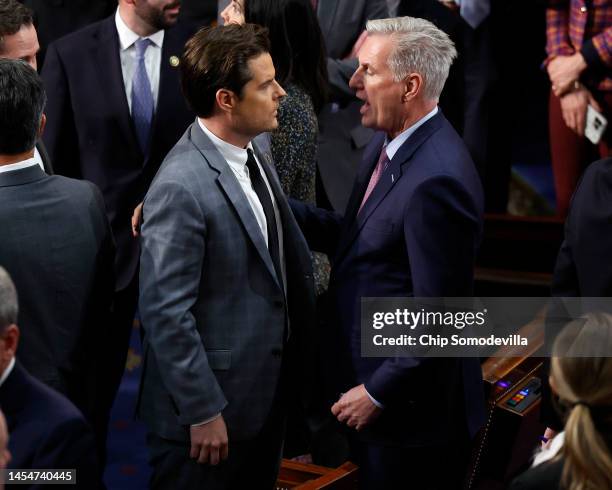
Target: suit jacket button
(277,352)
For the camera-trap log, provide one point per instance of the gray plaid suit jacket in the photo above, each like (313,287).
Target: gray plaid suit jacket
(213,312)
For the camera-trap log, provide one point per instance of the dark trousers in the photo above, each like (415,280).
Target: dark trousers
(125,303)
(423,468)
(251,464)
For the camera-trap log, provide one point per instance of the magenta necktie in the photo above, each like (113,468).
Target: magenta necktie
(314,4)
(383,161)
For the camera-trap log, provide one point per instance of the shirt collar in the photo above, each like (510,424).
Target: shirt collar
(127,37)
(7,371)
(400,139)
(18,165)
(232,154)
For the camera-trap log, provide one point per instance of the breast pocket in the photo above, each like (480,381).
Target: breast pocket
(375,225)
(219,360)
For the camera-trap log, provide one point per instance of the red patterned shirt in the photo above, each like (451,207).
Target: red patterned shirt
(585,26)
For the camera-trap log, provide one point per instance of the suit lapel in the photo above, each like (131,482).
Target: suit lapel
(108,62)
(168,79)
(233,191)
(355,222)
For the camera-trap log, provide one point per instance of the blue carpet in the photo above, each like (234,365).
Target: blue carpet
(127,467)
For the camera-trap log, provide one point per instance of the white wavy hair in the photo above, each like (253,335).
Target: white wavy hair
(420,47)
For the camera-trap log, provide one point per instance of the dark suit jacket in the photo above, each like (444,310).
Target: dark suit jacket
(583,268)
(90,133)
(416,235)
(56,18)
(46,431)
(546,476)
(342,138)
(215,316)
(57,246)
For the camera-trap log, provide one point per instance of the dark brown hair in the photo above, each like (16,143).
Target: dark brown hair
(13,15)
(216,58)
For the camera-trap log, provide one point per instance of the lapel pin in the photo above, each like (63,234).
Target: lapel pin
(174,61)
(392,178)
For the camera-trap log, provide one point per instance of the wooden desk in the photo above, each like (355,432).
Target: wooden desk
(302,476)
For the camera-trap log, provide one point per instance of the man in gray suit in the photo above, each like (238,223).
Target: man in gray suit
(58,247)
(226,293)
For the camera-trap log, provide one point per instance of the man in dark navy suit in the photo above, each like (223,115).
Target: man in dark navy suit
(115,110)
(411,228)
(46,430)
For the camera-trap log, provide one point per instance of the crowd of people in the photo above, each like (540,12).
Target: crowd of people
(242,187)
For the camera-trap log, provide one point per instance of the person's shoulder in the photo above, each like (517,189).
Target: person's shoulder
(49,431)
(591,200)
(39,399)
(185,163)
(73,188)
(599,173)
(546,476)
(81,39)
(447,152)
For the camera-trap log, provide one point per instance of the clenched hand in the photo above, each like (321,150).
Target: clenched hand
(209,442)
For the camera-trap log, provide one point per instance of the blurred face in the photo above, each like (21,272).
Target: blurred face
(234,12)
(9,339)
(5,455)
(383,107)
(255,112)
(23,45)
(159,14)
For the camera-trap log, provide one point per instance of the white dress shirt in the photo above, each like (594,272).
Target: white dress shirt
(7,371)
(127,54)
(38,158)
(30,162)
(236,159)
(400,139)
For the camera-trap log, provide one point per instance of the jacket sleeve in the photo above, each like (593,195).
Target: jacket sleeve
(320,227)
(557,29)
(172,255)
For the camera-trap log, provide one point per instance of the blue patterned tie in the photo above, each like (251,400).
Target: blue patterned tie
(142,98)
